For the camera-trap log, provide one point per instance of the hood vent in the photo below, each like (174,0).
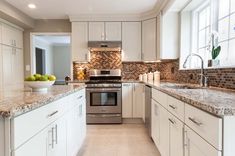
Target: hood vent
(105,45)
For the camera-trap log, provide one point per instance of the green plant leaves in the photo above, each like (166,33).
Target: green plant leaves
(215,52)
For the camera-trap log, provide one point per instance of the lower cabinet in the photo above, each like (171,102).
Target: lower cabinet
(196,146)
(176,142)
(155,122)
(37,146)
(132,100)
(62,137)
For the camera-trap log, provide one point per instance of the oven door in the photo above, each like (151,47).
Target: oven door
(104,100)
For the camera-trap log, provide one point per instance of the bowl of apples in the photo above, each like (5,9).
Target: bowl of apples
(40,83)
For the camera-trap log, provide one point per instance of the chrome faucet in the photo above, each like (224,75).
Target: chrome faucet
(203,78)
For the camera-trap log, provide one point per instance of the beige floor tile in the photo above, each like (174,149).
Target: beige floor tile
(118,140)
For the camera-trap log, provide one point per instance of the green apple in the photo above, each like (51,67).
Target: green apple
(37,76)
(30,78)
(52,77)
(43,78)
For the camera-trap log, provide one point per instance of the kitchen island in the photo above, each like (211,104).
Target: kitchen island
(42,123)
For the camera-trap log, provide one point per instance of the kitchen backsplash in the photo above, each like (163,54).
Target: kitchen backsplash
(224,77)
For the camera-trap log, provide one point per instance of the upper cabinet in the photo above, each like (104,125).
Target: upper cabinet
(0,33)
(149,52)
(79,42)
(12,36)
(105,31)
(131,41)
(168,36)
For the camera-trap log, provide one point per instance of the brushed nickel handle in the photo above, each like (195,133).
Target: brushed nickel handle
(173,107)
(195,122)
(80,97)
(56,134)
(52,114)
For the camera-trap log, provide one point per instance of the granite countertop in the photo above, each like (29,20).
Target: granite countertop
(216,101)
(17,102)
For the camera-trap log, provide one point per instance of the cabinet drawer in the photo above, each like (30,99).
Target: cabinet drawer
(176,107)
(207,126)
(27,125)
(196,146)
(160,97)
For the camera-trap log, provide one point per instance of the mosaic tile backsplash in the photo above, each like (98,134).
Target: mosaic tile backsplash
(224,77)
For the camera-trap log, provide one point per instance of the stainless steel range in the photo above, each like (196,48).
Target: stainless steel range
(104,96)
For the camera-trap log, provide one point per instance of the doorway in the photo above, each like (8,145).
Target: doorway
(40,61)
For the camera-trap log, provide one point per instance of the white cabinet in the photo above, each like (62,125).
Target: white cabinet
(56,139)
(0,33)
(168,36)
(132,100)
(113,31)
(164,132)
(131,41)
(96,31)
(138,100)
(58,133)
(155,122)
(149,35)
(195,145)
(36,146)
(127,97)
(12,36)
(105,31)
(80,51)
(176,141)
(12,63)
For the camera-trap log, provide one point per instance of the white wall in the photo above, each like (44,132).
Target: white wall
(62,61)
(48,54)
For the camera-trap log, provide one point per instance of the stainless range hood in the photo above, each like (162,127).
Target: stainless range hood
(105,45)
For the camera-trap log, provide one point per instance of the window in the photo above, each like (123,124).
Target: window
(202,18)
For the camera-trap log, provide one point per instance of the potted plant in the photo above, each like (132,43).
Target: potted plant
(215,51)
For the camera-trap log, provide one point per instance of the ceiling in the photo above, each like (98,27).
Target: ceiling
(61,9)
(54,39)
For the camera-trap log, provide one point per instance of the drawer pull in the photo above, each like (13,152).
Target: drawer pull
(173,122)
(194,121)
(52,114)
(173,107)
(80,97)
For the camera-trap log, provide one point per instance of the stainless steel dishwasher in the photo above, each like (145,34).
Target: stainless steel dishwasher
(148,96)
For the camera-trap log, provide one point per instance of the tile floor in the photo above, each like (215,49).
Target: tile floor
(118,140)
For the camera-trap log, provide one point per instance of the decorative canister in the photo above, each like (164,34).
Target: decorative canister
(157,77)
(145,77)
(150,76)
(140,77)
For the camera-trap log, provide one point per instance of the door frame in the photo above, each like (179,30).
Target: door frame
(32,49)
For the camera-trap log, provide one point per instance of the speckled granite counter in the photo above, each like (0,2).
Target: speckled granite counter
(219,102)
(17,102)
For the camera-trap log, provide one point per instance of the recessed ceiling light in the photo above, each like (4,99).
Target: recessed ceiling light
(32,6)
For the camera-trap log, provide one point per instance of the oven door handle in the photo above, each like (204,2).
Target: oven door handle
(104,89)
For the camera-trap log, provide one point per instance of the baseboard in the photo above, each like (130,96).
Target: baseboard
(132,121)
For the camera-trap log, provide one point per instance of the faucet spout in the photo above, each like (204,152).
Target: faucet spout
(202,67)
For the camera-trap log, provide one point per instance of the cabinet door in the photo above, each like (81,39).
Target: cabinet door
(127,97)
(155,122)
(131,41)
(36,146)
(176,136)
(164,132)
(79,41)
(96,31)
(18,38)
(138,95)
(12,36)
(57,138)
(195,145)
(113,31)
(149,40)
(1,68)
(7,63)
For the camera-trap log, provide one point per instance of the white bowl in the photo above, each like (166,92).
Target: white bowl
(39,86)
